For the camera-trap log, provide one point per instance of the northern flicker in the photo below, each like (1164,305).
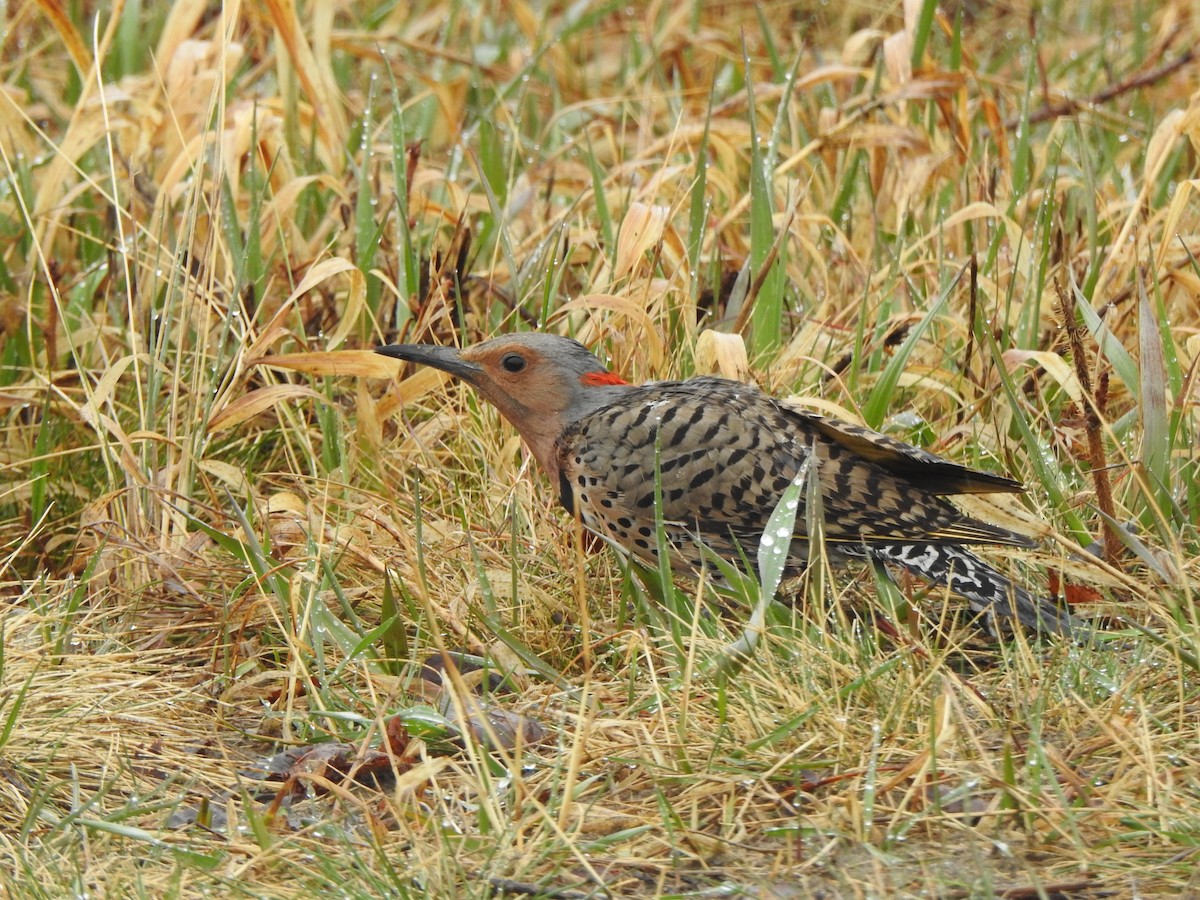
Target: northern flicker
(725,452)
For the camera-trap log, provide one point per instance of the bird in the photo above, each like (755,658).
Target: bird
(721,453)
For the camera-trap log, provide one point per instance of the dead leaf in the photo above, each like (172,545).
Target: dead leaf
(359,363)
(722,354)
(641,229)
(259,401)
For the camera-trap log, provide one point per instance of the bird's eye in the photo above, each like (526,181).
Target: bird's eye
(512,362)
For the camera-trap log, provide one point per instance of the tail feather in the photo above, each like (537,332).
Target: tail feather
(968,576)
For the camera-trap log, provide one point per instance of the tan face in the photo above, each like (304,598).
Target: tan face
(539,382)
(514,365)
(530,390)
(510,366)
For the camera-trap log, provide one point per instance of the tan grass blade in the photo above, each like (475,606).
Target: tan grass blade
(259,401)
(722,354)
(60,18)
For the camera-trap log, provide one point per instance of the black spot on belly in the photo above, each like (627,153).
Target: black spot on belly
(566,496)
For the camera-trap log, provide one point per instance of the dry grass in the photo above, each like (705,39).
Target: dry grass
(216,541)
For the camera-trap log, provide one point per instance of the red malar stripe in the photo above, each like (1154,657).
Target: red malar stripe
(596,379)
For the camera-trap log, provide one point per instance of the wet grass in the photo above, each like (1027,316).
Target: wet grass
(227,529)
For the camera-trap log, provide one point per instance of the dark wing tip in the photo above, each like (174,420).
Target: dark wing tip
(921,468)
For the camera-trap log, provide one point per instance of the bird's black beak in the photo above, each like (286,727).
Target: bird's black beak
(448,359)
